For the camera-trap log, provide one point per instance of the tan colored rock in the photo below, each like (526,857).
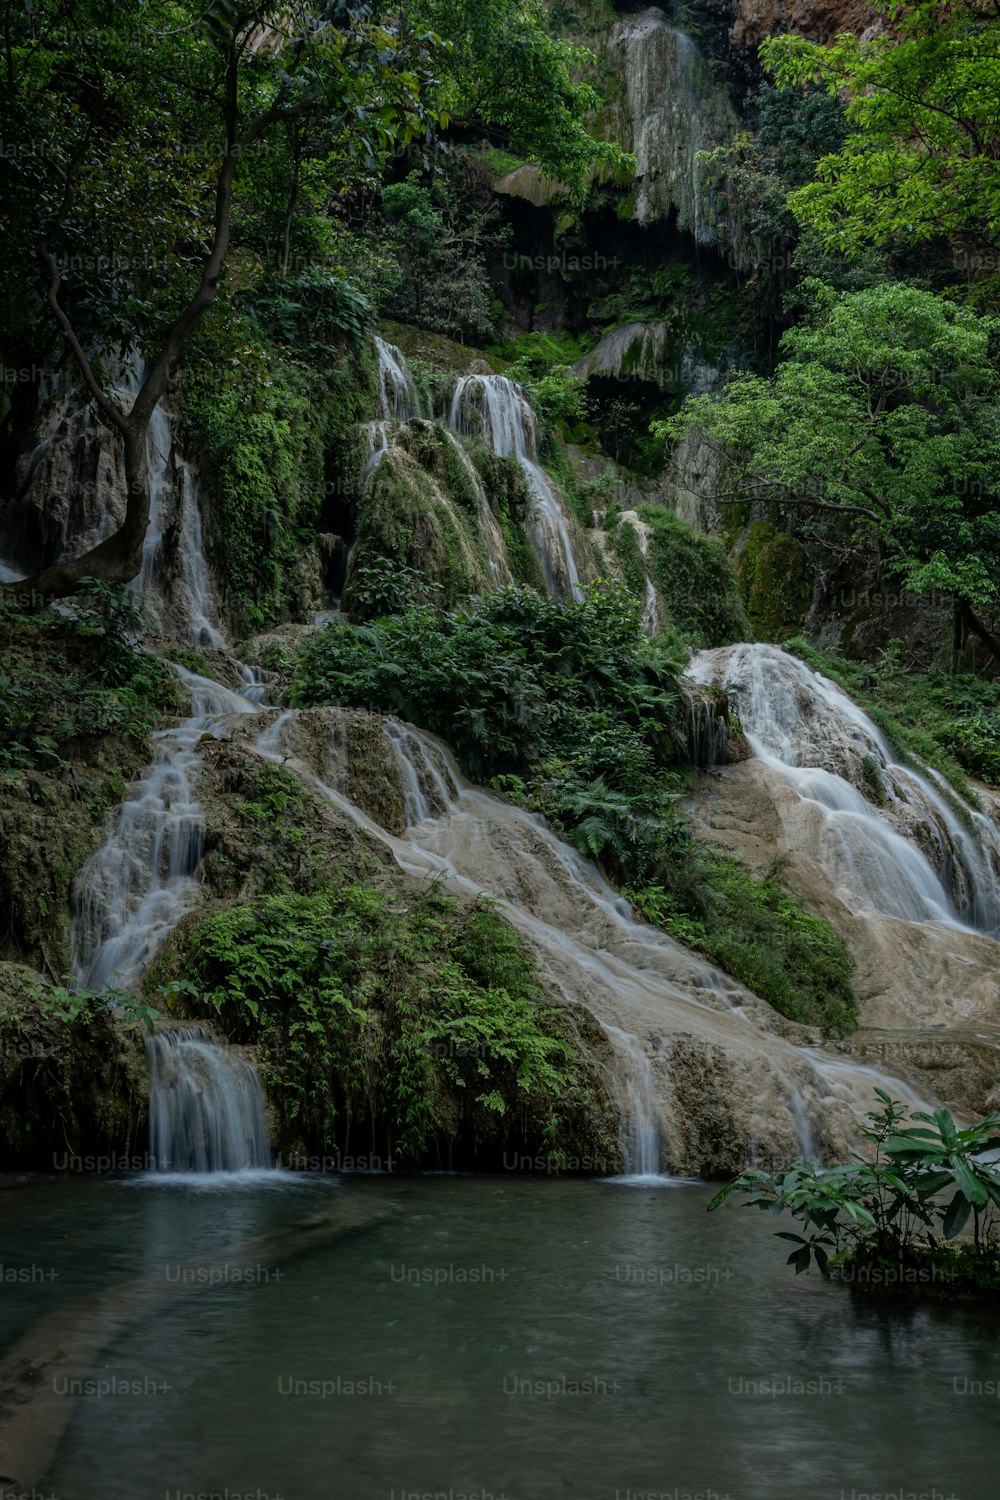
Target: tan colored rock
(818,20)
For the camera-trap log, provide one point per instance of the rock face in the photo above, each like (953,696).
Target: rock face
(817,20)
(878,850)
(671,109)
(68,494)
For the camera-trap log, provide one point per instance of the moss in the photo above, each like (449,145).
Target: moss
(628,552)
(694,580)
(76,1089)
(70,743)
(434,349)
(278,459)
(412,1017)
(409,517)
(775,580)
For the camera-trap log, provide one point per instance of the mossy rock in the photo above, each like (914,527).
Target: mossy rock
(435,350)
(73,1094)
(421,511)
(775,580)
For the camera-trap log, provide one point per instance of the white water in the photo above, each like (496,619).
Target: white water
(640,1129)
(397,394)
(134,890)
(495,409)
(592,949)
(913,857)
(206,1106)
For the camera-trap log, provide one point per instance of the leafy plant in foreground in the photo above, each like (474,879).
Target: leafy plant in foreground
(926,1180)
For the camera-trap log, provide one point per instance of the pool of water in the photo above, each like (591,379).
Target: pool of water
(526,1339)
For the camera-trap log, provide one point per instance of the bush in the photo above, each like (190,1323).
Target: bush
(422,1019)
(879,1225)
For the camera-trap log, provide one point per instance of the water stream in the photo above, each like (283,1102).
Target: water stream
(495,409)
(206,1106)
(904,849)
(494,1337)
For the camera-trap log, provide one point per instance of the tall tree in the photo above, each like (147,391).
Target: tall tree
(879,429)
(125,134)
(922,155)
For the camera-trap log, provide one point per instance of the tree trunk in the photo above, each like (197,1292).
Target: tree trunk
(975,626)
(118,558)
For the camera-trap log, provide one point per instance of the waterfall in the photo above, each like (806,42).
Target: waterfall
(495,409)
(673,110)
(636,980)
(397,394)
(136,887)
(640,1130)
(206,1106)
(908,854)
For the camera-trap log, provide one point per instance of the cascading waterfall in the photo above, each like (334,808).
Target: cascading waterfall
(634,978)
(640,1129)
(134,890)
(912,856)
(206,1106)
(397,394)
(495,409)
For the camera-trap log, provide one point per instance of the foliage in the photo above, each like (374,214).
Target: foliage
(694,580)
(756,929)
(754,175)
(70,680)
(920,158)
(510,80)
(272,455)
(864,1216)
(506,680)
(422,1020)
(70,1003)
(311,316)
(73,1086)
(441,226)
(120,167)
(878,428)
(571,711)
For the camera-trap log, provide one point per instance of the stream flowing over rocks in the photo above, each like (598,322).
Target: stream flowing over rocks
(707,1075)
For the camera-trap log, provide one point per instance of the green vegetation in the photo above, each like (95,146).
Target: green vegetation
(441,228)
(946,720)
(71,1083)
(417,1019)
(877,431)
(919,161)
(270,454)
(775,580)
(693,579)
(511,81)
(70,681)
(571,711)
(882,1225)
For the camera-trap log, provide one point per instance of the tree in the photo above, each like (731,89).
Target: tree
(922,157)
(880,426)
(125,136)
(509,79)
